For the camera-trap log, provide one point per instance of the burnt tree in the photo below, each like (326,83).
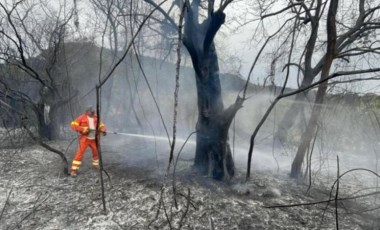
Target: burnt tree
(357,31)
(213,153)
(37,53)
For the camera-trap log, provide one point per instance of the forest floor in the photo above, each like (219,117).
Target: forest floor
(35,194)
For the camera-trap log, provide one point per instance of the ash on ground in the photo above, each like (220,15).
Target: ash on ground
(35,194)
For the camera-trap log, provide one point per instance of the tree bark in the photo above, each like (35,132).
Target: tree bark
(213,153)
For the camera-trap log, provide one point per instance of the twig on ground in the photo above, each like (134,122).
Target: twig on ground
(5,203)
(108,176)
(166,213)
(322,201)
(160,201)
(211,222)
(186,210)
(191,203)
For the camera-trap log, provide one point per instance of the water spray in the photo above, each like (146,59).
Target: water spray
(147,136)
(138,135)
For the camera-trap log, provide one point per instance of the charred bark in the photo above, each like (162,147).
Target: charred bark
(213,153)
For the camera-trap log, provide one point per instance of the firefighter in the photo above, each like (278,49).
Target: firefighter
(85,125)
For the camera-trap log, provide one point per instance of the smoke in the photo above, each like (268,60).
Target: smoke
(347,128)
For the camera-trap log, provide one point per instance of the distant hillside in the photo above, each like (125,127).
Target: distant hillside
(127,100)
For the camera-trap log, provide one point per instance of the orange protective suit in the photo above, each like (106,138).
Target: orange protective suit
(81,125)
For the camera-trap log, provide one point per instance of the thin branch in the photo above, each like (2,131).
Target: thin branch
(151,92)
(224,5)
(186,209)
(19,45)
(48,147)
(176,163)
(337,196)
(5,203)
(258,56)
(297,65)
(323,201)
(280,11)
(159,8)
(178,68)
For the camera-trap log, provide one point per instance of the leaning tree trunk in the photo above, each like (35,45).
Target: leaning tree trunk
(315,114)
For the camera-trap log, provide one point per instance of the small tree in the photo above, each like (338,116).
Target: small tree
(357,26)
(35,48)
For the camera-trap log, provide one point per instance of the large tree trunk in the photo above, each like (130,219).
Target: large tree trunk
(312,125)
(213,153)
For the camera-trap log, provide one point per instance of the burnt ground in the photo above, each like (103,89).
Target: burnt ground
(34,194)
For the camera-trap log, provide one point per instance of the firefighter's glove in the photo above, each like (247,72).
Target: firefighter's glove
(104,133)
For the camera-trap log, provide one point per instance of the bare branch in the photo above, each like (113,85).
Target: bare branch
(176,91)
(297,65)
(224,5)
(278,98)
(258,56)
(130,44)
(280,11)
(164,13)
(48,147)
